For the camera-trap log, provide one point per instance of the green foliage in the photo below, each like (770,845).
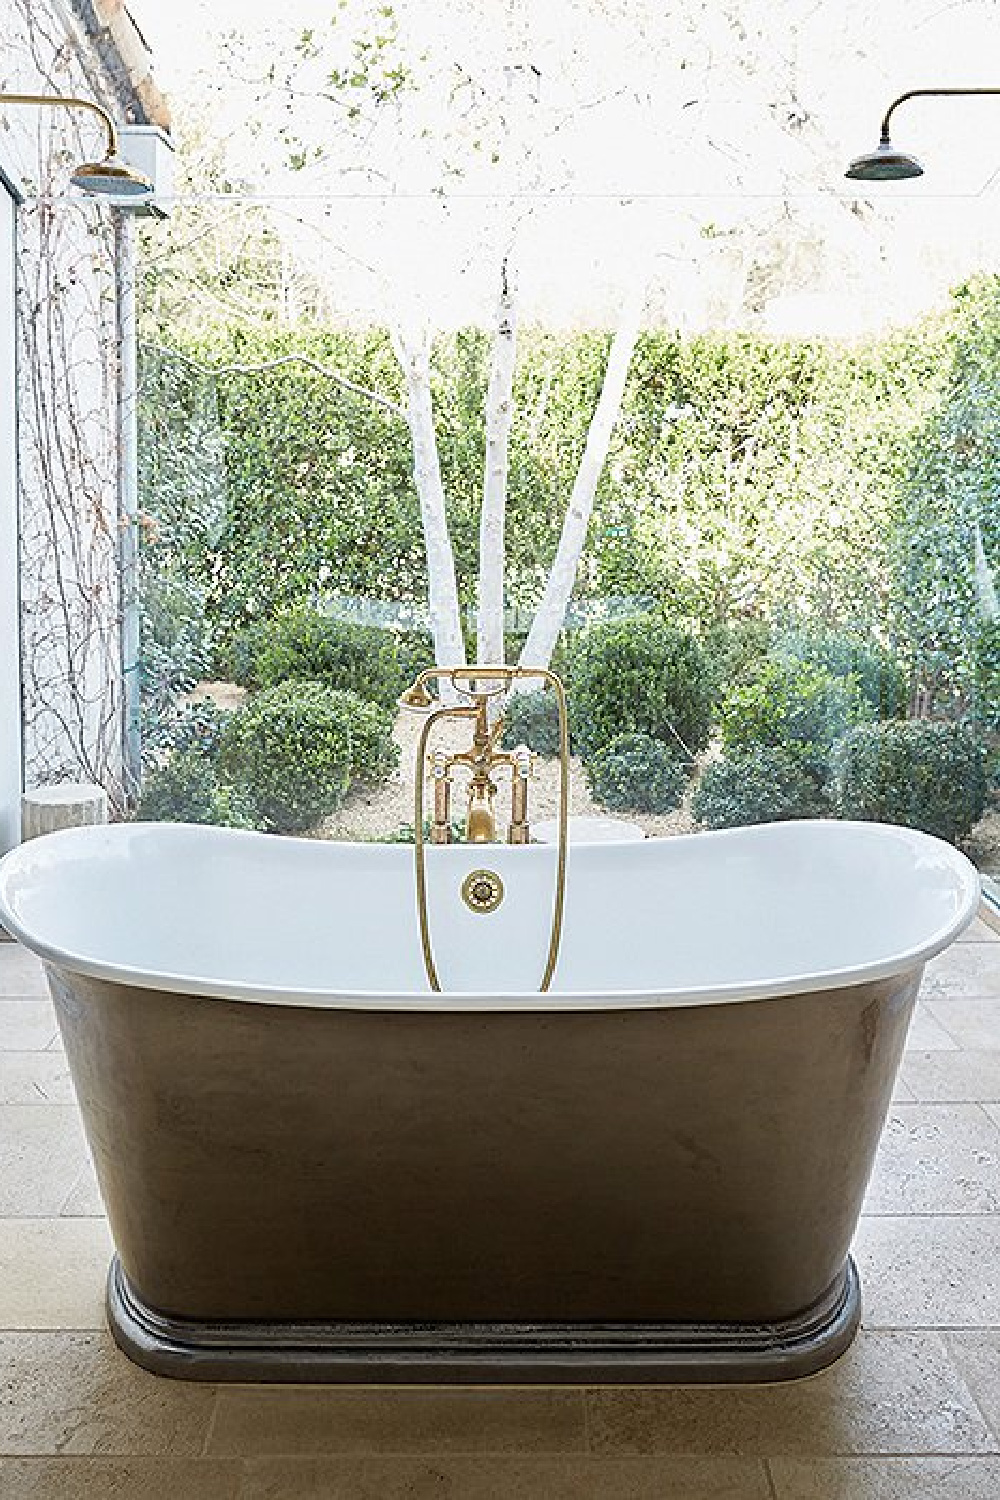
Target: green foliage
(790,703)
(947,519)
(745,474)
(636,773)
(294,749)
(734,651)
(532,719)
(639,676)
(875,672)
(759,784)
(238,660)
(195,726)
(186,789)
(986,682)
(307,645)
(175,647)
(374,752)
(917,772)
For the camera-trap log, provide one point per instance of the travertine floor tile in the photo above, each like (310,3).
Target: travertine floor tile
(303,1420)
(926,1034)
(964,969)
(68,1393)
(936,1158)
(886,1479)
(497,1478)
(973,1024)
(27,1025)
(35,1078)
(84,1198)
(890,1393)
(930,1272)
(20,972)
(52,1272)
(952,1077)
(42,1152)
(979,931)
(977,1355)
(118,1479)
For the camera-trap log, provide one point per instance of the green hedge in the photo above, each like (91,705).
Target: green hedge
(919,773)
(532,719)
(635,773)
(639,676)
(760,784)
(785,703)
(307,645)
(293,751)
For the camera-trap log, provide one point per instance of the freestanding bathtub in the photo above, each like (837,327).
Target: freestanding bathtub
(315,1169)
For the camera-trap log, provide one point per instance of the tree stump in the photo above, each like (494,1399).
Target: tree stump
(70,804)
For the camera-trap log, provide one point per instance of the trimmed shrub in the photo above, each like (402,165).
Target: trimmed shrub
(760,784)
(791,703)
(878,677)
(309,646)
(636,773)
(986,690)
(734,652)
(532,719)
(639,676)
(195,726)
(239,662)
(414,654)
(186,789)
(292,752)
(374,752)
(916,772)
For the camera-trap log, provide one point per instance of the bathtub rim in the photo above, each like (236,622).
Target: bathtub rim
(556,1000)
(486,1353)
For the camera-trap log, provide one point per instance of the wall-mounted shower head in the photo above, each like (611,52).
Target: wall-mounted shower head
(885,163)
(110,178)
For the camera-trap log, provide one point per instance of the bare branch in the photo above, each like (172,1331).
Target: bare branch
(275,364)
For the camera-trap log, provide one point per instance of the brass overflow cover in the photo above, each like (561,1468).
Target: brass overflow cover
(482,890)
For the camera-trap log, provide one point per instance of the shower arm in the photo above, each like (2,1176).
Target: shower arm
(928,94)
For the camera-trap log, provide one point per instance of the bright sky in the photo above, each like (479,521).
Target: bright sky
(850,59)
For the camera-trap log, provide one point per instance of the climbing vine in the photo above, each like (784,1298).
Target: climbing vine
(67,395)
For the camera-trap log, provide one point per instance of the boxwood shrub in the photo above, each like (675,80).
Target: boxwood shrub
(307,645)
(635,773)
(787,703)
(760,784)
(916,772)
(187,789)
(875,672)
(532,719)
(639,676)
(294,749)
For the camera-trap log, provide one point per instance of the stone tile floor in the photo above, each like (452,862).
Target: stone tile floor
(912,1412)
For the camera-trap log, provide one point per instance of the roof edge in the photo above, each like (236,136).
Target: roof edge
(125,58)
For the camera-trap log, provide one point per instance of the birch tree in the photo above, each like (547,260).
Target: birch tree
(415,122)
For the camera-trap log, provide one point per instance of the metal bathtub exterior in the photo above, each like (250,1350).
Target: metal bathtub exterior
(652,1194)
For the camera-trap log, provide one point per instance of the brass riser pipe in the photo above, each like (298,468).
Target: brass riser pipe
(456,676)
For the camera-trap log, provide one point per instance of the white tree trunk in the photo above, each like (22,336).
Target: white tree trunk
(498,416)
(413,353)
(551,611)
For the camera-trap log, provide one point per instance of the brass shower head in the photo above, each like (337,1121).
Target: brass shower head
(110,178)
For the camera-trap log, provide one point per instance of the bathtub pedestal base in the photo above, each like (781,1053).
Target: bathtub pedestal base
(486,1353)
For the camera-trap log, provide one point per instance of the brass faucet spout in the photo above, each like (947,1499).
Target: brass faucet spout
(483,685)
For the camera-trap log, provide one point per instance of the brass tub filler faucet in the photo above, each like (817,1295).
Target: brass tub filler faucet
(484,688)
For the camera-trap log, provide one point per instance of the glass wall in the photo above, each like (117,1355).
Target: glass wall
(721,454)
